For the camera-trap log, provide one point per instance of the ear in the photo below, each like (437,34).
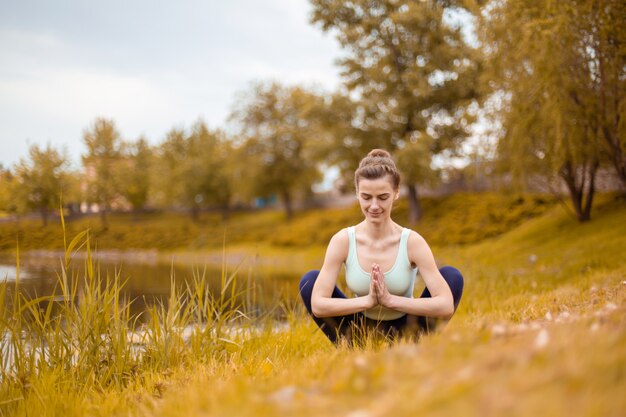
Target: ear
(397,195)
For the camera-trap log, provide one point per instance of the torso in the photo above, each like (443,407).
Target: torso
(392,256)
(383,252)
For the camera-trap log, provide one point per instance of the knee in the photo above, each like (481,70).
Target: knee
(455,281)
(308,280)
(452,276)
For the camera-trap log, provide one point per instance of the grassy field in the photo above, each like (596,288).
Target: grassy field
(540,331)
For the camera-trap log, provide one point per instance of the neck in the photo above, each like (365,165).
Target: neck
(379,230)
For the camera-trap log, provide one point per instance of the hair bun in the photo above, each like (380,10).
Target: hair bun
(377,164)
(380,153)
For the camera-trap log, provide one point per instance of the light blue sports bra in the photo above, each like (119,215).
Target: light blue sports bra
(400,279)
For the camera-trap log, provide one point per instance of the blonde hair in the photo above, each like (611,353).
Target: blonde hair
(377,164)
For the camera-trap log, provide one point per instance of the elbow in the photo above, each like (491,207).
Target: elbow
(447,315)
(315,309)
(447,311)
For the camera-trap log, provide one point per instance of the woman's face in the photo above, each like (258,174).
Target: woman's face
(376,198)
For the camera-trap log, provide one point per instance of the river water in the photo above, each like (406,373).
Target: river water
(148,277)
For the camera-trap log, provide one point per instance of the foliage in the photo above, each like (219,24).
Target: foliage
(204,175)
(462,218)
(194,170)
(134,173)
(168,171)
(85,335)
(8,184)
(40,180)
(559,66)
(104,152)
(279,126)
(412,71)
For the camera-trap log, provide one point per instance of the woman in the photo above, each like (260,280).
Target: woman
(382,260)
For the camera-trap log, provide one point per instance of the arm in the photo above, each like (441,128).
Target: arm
(322,303)
(441,302)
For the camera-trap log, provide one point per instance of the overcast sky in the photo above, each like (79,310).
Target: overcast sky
(148,65)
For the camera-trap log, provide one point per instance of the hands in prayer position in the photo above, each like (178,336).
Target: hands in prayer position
(379,294)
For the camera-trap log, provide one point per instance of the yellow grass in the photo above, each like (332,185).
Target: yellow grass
(540,331)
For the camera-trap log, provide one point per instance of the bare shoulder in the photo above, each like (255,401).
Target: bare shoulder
(341,236)
(417,248)
(415,240)
(338,245)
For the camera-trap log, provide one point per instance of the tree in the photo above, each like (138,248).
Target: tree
(224,175)
(560,68)
(414,162)
(104,152)
(168,171)
(73,192)
(280,129)
(194,169)
(40,180)
(411,70)
(134,173)
(7,194)
(605,35)
(345,137)
(206,176)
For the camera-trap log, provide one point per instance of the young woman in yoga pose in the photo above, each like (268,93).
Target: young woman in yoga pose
(382,260)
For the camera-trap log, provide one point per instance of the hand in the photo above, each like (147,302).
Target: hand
(380,286)
(372,299)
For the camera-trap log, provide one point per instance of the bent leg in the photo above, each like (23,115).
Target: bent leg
(454,279)
(333,327)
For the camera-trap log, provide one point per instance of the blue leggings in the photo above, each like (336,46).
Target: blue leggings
(344,326)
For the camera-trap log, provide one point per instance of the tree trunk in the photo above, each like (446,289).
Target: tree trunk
(225,212)
(581,190)
(616,154)
(415,208)
(194,212)
(103,217)
(287,204)
(610,116)
(44,216)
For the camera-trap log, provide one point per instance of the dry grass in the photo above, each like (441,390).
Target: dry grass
(540,331)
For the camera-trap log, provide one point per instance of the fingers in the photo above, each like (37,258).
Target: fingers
(378,279)
(373,283)
(380,286)
(373,291)
(375,275)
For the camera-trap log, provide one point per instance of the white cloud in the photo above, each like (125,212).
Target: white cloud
(72,94)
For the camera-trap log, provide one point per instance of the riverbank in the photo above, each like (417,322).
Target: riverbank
(451,220)
(277,259)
